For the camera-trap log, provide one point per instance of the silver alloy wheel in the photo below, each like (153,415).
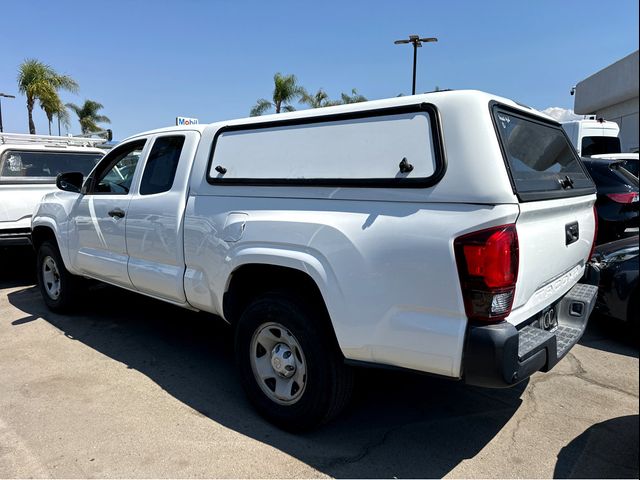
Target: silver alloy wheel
(278,363)
(51,277)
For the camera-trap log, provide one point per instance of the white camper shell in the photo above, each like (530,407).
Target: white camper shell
(593,137)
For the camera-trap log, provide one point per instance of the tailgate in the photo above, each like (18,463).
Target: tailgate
(555,239)
(556,224)
(18,202)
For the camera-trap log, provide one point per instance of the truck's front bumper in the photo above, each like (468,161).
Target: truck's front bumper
(502,355)
(15,236)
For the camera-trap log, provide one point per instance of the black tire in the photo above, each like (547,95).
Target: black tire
(71,287)
(328,381)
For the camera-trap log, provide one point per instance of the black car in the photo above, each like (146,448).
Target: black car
(617,191)
(618,292)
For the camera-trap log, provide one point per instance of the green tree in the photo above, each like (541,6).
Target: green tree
(355,97)
(38,81)
(64,119)
(52,105)
(88,115)
(285,91)
(318,100)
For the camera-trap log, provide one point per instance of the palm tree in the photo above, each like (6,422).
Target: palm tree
(318,100)
(38,81)
(355,97)
(63,118)
(52,105)
(285,91)
(88,115)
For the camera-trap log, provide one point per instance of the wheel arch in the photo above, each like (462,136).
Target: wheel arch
(41,234)
(252,279)
(46,231)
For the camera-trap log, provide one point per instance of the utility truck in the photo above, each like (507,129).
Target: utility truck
(29,165)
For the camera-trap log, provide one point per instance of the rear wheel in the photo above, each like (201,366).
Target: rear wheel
(60,289)
(290,367)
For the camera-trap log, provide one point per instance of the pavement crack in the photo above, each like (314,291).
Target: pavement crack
(365,450)
(531,405)
(582,373)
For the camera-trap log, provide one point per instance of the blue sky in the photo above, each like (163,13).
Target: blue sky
(150,61)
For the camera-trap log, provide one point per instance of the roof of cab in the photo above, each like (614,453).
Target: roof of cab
(432,97)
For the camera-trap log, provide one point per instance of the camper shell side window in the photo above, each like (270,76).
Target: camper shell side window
(388,147)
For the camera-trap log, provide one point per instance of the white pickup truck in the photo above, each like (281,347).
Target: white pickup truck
(445,233)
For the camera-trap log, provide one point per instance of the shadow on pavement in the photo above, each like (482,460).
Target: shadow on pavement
(611,336)
(401,425)
(17,266)
(605,450)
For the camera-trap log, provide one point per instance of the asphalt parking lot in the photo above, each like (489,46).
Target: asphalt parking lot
(131,387)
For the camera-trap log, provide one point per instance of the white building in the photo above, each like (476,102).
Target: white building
(612,94)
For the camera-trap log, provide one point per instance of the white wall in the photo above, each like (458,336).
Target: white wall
(626,116)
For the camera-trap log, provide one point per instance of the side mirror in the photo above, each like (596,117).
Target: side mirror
(70,181)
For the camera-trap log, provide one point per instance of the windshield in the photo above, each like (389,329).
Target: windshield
(600,145)
(45,166)
(541,161)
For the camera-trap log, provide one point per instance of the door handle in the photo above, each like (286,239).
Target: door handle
(116,213)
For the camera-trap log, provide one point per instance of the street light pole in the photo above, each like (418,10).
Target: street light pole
(416,41)
(6,96)
(415,61)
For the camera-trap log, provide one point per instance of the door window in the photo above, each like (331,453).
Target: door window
(120,165)
(160,170)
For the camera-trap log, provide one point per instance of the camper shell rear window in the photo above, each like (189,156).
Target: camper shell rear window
(39,166)
(389,147)
(541,161)
(600,145)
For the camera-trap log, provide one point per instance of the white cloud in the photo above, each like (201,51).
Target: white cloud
(561,114)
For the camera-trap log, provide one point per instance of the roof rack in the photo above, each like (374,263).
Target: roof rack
(107,135)
(24,138)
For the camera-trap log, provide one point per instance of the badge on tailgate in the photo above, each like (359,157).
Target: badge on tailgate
(572,233)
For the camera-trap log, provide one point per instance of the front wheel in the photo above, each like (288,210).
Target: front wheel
(60,289)
(290,367)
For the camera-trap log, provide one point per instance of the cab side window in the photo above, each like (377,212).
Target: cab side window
(160,170)
(119,167)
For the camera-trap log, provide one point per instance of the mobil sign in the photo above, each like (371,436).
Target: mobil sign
(186,121)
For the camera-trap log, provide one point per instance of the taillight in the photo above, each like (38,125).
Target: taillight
(629,197)
(488,269)
(595,233)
